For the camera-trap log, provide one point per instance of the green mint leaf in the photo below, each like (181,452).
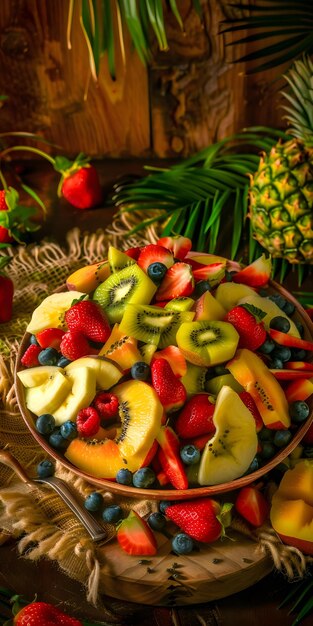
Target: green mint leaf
(255,311)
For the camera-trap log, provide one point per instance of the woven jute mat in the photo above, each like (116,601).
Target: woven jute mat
(43,526)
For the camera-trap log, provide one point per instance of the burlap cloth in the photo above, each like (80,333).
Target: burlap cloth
(43,526)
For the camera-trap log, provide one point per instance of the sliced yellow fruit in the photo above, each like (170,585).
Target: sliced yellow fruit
(83,391)
(271,309)
(34,376)
(229,294)
(50,313)
(48,396)
(106,372)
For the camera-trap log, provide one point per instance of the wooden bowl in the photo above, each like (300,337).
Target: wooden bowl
(172,494)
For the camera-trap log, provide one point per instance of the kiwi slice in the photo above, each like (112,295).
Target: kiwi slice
(129,285)
(194,379)
(152,324)
(182,303)
(207,343)
(118,260)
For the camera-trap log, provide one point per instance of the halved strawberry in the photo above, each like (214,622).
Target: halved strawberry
(252,505)
(152,253)
(196,417)
(50,338)
(134,252)
(169,457)
(175,358)
(285,339)
(257,274)
(213,272)
(135,536)
(171,391)
(299,389)
(178,281)
(150,454)
(250,404)
(177,244)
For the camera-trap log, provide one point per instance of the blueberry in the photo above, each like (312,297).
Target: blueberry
(57,441)
(254,466)
(163,504)
(279,300)
(157,521)
(190,454)
(94,501)
(33,340)
(300,328)
(299,411)
(276,364)
(68,430)
(267,347)
(143,478)
(289,308)
(308,452)
(63,362)
(282,438)
(45,469)
(298,354)
(281,352)
(229,276)
(48,356)
(45,424)
(140,371)
(156,271)
(266,434)
(201,287)
(112,514)
(182,544)
(268,450)
(280,323)
(124,477)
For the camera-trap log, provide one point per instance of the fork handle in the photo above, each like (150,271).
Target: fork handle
(8,459)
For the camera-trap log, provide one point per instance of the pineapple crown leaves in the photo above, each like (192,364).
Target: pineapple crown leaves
(18,218)
(190,198)
(300,112)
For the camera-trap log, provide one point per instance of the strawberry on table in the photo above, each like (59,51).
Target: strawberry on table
(203,519)
(79,183)
(88,318)
(170,389)
(196,417)
(246,319)
(43,614)
(5,236)
(135,536)
(6,292)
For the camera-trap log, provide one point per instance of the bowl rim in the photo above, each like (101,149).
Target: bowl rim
(169,494)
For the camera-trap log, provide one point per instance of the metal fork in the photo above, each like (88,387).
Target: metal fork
(95,530)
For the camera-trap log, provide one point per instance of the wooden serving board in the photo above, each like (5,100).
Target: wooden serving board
(214,571)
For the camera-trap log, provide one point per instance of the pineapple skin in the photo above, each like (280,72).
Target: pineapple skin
(281,202)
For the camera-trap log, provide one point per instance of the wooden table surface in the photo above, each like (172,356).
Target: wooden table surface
(256,606)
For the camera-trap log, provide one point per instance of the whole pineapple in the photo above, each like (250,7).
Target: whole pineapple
(281,191)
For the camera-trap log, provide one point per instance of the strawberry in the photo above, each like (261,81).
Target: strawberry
(252,505)
(5,236)
(175,357)
(213,272)
(88,318)
(169,458)
(74,345)
(177,244)
(199,442)
(135,536)
(250,404)
(257,274)
(43,614)
(134,252)
(6,293)
(106,403)
(171,391)
(299,365)
(178,281)
(152,253)
(198,518)
(88,422)
(79,183)
(252,333)
(299,389)
(50,338)
(196,417)
(30,356)
(284,339)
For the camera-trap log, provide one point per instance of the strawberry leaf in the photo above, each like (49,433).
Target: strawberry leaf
(66,167)
(225,516)
(11,198)
(4,261)
(62,164)
(255,311)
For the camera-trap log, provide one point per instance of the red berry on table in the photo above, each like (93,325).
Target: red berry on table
(82,188)
(74,345)
(88,422)
(170,389)
(106,404)
(197,518)
(87,317)
(6,293)
(251,332)
(43,614)
(196,417)
(252,505)
(135,536)
(5,236)
(30,356)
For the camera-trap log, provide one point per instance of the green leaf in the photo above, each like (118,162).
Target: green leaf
(176,13)
(255,311)
(4,261)
(34,195)
(108,36)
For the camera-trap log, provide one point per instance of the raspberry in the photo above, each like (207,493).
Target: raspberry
(74,345)
(30,357)
(106,404)
(88,422)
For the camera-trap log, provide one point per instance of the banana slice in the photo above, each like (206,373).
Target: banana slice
(35,376)
(48,396)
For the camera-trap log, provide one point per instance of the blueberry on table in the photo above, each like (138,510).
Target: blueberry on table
(68,430)
(190,454)
(124,477)
(112,514)
(182,544)
(48,356)
(282,438)
(299,411)
(156,271)
(45,424)
(45,469)
(140,371)
(157,521)
(143,478)
(280,323)
(93,502)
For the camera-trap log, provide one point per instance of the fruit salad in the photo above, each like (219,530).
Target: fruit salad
(165,368)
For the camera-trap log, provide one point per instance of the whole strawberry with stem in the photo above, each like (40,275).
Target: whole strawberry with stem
(43,614)
(79,183)
(6,292)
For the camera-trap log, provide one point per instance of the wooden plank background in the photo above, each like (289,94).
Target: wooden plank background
(186,99)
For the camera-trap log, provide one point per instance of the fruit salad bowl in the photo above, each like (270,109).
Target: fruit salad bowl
(204,405)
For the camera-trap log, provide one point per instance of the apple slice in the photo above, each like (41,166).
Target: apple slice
(48,396)
(35,376)
(83,391)
(107,372)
